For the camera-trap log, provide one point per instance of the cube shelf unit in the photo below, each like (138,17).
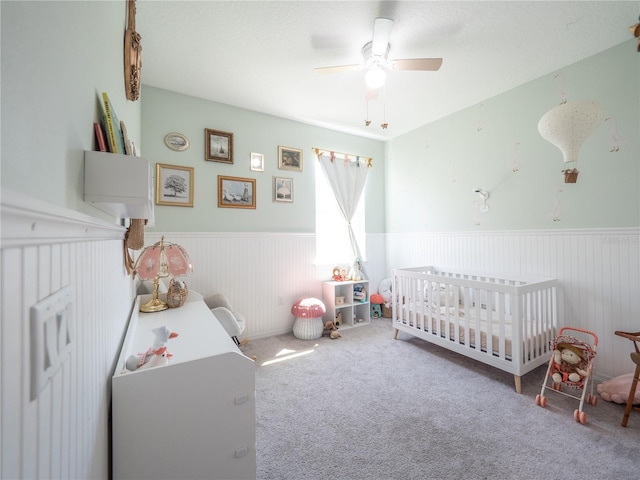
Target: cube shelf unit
(354,312)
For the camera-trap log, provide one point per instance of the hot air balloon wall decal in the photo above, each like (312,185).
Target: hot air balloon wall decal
(567,126)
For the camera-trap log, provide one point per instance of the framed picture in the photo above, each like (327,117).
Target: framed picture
(218,146)
(176,141)
(174,185)
(289,158)
(236,192)
(257,162)
(283,189)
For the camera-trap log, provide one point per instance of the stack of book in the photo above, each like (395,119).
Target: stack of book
(111,134)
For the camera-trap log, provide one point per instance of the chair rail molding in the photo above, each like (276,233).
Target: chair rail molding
(29,221)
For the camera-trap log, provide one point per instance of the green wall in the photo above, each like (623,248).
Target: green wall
(437,166)
(164,112)
(57,58)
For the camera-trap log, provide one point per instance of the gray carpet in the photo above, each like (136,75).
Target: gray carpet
(366,406)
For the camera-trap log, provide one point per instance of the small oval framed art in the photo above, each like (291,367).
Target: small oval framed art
(176,141)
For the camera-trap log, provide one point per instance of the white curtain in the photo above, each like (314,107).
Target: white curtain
(347,176)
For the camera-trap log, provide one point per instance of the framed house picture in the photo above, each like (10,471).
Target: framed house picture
(218,146)
(289,158)
(236,192)
(283,189)
(174,185)
(257,162)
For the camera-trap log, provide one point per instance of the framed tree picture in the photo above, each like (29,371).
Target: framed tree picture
(289,158)
(218,146)
(236,192)
(174,185)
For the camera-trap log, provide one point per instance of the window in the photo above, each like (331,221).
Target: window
(332,237)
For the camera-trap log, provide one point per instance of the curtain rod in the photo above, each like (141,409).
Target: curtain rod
(319,152)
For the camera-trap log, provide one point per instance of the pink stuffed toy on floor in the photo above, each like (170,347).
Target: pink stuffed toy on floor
(617,389)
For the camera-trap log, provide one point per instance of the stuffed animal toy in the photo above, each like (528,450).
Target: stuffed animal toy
(158,349)
(336,275)
(355,273)
(338,320)
(330,330)
(159,358)
(568,364)
(385,289)
(617,389)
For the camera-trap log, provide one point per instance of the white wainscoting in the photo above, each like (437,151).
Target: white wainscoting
(63,432)
(262,274)
(598,271)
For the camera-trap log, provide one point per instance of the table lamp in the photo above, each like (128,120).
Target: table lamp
(161,260)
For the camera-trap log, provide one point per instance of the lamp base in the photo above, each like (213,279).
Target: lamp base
(154,305)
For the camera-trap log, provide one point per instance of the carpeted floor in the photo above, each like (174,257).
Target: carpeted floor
(366,406)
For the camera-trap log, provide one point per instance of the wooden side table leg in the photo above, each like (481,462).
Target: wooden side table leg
(632,393)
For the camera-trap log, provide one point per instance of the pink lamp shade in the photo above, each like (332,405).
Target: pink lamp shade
(178,260)
(151,264)
(161,260)
(308,308)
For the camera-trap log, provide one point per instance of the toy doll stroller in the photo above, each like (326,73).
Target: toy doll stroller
(571,365)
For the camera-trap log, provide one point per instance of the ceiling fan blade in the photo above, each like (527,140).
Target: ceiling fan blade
(430,64)
(381,35)
(337,69)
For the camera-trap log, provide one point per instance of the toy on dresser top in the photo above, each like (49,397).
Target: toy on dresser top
(156,355)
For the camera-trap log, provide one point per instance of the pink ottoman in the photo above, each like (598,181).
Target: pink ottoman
(308,324)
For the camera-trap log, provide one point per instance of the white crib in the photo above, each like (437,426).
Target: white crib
(506,321)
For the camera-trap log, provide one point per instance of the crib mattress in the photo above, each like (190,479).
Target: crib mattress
(450,322)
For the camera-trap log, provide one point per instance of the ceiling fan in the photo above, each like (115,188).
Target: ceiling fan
(375,54)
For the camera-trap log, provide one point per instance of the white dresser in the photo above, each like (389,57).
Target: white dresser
(193,418)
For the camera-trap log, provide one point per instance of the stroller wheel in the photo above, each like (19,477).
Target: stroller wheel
(580,417)
(594,400)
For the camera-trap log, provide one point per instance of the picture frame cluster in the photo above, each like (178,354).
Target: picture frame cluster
(175,183)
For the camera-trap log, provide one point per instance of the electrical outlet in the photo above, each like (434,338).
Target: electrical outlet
(51,337)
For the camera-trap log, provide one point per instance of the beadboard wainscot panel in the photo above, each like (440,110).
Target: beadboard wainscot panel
(598,271)
(63,432)
(262,274)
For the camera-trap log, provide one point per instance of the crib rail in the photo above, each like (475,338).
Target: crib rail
(502,320)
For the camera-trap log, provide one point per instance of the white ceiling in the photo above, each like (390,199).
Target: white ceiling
(260,55)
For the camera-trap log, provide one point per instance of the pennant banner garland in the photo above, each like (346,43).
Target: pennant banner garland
(348,159)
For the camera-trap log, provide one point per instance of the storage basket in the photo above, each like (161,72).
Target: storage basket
(177,294)
(386,311)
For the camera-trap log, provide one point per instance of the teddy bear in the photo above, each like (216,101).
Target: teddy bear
(330,330)
(568,364)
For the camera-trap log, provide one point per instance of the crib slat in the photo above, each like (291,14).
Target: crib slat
(472,313)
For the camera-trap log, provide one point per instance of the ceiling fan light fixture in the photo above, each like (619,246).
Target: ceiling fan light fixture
(375,77)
